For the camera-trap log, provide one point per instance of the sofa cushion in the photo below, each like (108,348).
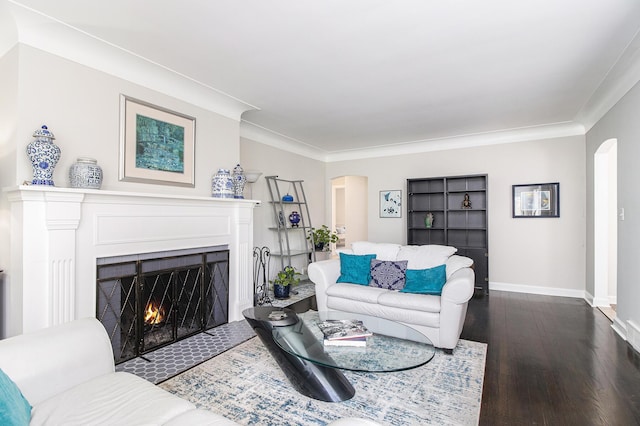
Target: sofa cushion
(412,302)
(383,251)
(425,281)
(393,313)
(110,399)
(355,269)
(14,407)
(423,257)
(356,292)
(388,274)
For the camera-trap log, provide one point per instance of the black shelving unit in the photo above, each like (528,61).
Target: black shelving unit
(453,224)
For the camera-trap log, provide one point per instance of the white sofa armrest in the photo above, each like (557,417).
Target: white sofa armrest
(459,287)
(453,306)
(49,361)
(323,274)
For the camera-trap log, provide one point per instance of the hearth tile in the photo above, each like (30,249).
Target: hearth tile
(171,360)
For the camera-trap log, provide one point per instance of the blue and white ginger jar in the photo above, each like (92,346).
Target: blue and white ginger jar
(239,180)
(222,184)
(44,156)
(85,173)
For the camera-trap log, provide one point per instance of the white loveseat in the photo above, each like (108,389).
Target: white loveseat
(439,317)
(67,375)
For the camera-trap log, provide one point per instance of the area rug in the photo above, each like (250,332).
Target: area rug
(246,385)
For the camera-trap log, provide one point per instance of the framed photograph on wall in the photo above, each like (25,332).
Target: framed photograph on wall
(156,145)
(391,203)
(536,200)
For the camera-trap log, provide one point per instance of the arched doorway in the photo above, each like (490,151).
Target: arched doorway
(605,232)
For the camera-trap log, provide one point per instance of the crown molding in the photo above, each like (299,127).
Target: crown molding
(268,137)
(276,140)
(548,131)
(619,80)
(48,34)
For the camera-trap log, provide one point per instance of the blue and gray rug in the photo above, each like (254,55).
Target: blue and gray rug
(245,384)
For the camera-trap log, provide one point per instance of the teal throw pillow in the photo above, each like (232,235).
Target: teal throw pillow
(14,408)
(425,281)
(355,269)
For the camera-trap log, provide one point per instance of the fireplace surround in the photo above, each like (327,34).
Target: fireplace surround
(57,235)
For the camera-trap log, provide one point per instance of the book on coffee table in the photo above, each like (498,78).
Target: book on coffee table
(343,329)
(354,341)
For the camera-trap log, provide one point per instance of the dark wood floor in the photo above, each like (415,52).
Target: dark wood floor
(552,361)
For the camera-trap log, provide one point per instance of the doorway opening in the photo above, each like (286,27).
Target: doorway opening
(605,232)
(349,209)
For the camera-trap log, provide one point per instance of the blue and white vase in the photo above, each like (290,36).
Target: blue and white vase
(85,173)
(239,180)
(44,156)
(222,184)
(294,218)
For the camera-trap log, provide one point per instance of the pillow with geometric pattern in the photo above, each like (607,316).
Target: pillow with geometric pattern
(388,274)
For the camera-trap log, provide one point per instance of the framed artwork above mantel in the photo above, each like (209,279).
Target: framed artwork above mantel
(157,145)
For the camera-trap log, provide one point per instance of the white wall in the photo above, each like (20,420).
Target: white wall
(621,123)
(542,255)
(81,106)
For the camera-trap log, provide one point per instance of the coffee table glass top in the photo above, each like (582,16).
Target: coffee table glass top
(393,346)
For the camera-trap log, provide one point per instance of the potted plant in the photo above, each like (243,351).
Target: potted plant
(283,281)
(322,237)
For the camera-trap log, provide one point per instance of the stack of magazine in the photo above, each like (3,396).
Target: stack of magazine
(344,332)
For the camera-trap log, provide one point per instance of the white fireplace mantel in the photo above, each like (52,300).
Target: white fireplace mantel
(58,233)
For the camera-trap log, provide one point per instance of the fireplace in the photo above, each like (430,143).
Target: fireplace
(58,235)
(152,300)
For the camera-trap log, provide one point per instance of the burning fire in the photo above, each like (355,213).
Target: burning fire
(153,315)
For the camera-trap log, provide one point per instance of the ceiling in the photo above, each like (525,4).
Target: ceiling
(340,75)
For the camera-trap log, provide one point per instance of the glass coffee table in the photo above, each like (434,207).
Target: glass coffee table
(296,343)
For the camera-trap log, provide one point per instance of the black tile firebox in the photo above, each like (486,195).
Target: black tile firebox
(151,300)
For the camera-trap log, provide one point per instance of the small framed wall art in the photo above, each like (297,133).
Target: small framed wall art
(536,200)
(391,203)
(156,145)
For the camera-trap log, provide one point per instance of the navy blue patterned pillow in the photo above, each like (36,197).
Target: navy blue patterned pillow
(387,274)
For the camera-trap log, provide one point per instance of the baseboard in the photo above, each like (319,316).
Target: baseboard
(591,300)
(547,291)
(620,328)
(633,335)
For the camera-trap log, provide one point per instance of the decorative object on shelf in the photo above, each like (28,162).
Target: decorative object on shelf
(44,155)
(536,200)
(287,198)
(281,220)
(239,179)
(428,220)
(294,218)
(322,237)
(222,184)
(391,203)
(283,281)
(260,273)
(157,145)
(85,173)
(466,202)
